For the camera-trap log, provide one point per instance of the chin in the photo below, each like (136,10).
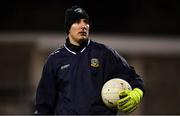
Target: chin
(83,38)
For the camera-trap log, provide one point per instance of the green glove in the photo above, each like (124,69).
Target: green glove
(130,100)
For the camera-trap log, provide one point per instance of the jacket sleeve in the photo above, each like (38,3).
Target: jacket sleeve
(46,91)
(117,67)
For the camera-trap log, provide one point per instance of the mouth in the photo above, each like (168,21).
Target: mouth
(83,33)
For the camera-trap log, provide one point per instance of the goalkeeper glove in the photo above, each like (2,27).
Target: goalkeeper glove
(130,100)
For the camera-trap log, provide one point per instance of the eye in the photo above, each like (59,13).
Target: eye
(86,21)
(78,21)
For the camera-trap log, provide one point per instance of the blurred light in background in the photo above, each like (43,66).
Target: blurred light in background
(156,59)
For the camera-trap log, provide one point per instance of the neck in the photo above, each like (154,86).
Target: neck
(74,42)
(76,48)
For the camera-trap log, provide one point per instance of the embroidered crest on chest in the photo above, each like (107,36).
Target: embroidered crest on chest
(95,62)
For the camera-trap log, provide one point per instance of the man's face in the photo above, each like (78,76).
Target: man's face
(79,31)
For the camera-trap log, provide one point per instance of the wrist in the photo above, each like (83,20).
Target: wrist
(139,91)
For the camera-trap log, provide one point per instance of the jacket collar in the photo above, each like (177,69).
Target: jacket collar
(76,49)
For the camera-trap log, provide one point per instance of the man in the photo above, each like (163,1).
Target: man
(73,75)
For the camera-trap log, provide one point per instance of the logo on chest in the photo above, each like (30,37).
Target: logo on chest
(65,66)
(95,62)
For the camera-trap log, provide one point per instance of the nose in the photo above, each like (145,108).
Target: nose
(84,25)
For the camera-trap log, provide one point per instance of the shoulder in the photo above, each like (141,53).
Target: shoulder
(57,51)
(110,52)
(54,56)
(100,45)
(103,47)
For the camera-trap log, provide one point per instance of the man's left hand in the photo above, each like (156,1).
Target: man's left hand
(131,100)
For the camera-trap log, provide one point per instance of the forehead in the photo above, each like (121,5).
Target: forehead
(84,20)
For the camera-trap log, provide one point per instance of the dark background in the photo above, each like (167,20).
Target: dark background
(31,29)
(145,17)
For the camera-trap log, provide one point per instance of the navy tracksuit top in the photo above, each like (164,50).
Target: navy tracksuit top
(73,77)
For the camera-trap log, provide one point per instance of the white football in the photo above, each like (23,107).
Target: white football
(111,89)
